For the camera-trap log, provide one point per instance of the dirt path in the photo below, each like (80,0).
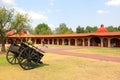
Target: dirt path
(92,56)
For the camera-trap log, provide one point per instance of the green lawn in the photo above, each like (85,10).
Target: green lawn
(62,67)
(98,50)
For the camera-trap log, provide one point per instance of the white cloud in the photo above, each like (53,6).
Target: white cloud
(52,2)
(37,16)
(48,11)
(19,10)
(58,10)
(113,3)
(32,14)
(102,11)
(9,2)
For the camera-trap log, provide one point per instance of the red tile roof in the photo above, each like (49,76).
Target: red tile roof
(102,29)
(10,32)
(68,35)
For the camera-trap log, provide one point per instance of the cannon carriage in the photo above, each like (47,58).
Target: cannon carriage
(25,54)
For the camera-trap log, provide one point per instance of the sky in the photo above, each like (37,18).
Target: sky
(73,13)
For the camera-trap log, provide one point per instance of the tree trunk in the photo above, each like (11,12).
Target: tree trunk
(3,49)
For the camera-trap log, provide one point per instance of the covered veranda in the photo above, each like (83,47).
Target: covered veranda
(106,39)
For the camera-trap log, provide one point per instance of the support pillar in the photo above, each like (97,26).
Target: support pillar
(83,42)
(48,41)
(88,42)
(35,41)
(75,42)
(101,42)
(109,42)
(57,41)
(62,41)
(42,40)
(52,41)
(69,42)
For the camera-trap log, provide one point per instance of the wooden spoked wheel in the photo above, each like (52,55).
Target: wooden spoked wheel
(12,58)
(28,59)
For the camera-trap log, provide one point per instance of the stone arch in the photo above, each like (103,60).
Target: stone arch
(32,39)
(17,40)
(95,41)
(105,42)
(38,41)
(66,41)
(46,41)
(79,42)
(60,41)
(86,42)
(115,42)
(50,41)
(72,42)
(55,41)
(10,41)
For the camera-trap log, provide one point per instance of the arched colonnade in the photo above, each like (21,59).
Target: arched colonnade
(79,41)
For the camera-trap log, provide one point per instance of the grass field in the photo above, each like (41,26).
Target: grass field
(62,67)
(98,50)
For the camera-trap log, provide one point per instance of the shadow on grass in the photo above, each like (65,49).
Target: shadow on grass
(33,66)
(39,65)
(42,65)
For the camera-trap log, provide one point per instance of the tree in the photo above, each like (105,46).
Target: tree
(43,29)
(88,29)
(94,28)
(9,19)
(118,28)
(63,29)
(112,29)
(31,31)
(69,31)
(80,29)
(20,22)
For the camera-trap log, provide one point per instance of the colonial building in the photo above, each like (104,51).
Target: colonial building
(100,38)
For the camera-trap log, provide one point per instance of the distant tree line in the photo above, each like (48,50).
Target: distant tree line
(43,28)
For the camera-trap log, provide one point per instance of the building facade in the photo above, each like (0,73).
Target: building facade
(100,38)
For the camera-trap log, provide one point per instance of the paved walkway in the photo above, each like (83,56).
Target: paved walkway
(92,56)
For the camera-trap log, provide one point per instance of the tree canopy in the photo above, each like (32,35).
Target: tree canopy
(43,28)
(20,22)
(9,19)
(118,28)
(63,29)
(112,29)
(80,29)
(90,29)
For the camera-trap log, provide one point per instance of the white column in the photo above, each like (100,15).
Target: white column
(57,41)
(88,42)
(101,42)
(75,42)
(83,42)
(35,40)
(42,41)
(48,41)
(62,41)
(69,42)
(52,41)
(109,42)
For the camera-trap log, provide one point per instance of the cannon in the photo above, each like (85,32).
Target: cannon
(25,54)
